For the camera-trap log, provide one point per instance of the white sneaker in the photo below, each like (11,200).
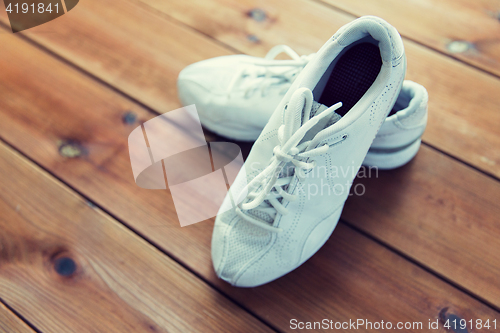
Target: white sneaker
(249,89)
(298,175)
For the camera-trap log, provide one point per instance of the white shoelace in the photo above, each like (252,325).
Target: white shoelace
(268,185)
(262,75)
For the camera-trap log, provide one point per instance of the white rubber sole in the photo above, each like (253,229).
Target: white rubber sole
(387,159)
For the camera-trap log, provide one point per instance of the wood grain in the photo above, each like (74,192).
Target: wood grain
(59,104)
(139,53)
(439,23)
(143,51)
(119,283)
(10,323)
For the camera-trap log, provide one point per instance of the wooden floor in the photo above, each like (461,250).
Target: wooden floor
(83,249)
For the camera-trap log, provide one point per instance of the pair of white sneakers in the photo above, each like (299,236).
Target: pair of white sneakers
(316,119)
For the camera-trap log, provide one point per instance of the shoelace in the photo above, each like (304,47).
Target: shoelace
(268,183)
(270,72)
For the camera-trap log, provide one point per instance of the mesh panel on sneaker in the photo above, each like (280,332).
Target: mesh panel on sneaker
(318,108)
(256,212)
(260,214)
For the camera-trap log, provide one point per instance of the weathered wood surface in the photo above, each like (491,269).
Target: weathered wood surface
(10,323)
(130,48)
(65,108)
(68,267)
(436,210)
(465,29)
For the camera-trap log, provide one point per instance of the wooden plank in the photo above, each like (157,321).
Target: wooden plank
(43,221)
(153,50)
(10,323)
(36,117)
(69,267)
(440,23)
(134,54)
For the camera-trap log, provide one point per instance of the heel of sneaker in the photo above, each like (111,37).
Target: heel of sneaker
(387,159)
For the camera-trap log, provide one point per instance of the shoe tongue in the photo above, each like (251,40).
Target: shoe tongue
(317,108)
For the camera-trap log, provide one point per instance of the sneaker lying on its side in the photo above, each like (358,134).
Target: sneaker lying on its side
(249,89)
(287,199)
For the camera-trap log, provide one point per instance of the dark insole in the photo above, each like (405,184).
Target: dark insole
(352,76)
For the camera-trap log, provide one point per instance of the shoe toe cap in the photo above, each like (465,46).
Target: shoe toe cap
(236,245)
(256,275)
